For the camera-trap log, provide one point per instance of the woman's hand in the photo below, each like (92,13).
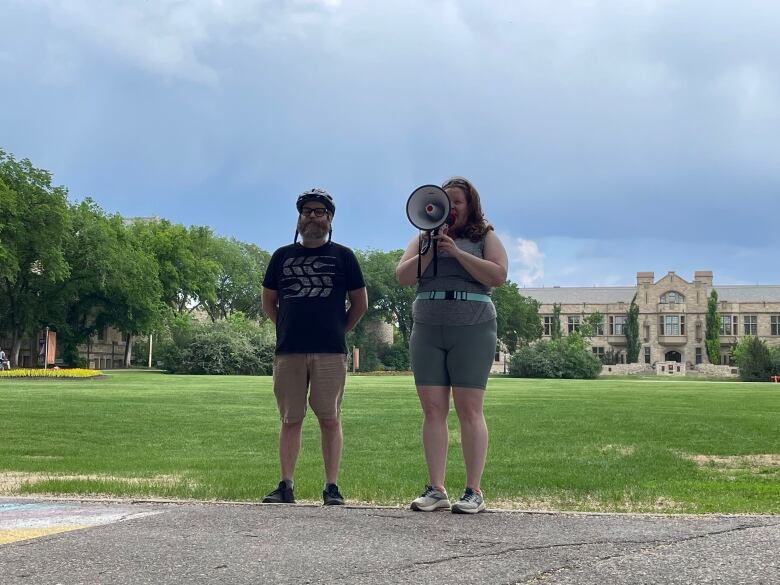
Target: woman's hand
(447,244)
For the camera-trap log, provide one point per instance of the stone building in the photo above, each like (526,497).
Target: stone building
(103,351)
(672,315)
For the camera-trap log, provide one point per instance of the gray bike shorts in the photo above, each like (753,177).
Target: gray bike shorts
(453,355)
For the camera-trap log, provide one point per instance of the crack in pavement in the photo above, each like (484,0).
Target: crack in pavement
(660,545)
(656,544)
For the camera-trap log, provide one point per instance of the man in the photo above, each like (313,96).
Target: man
(304,293)
(3,361)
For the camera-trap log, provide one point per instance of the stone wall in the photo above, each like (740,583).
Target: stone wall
(625,369)
(719,371)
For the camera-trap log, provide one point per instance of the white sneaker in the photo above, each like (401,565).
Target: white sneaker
(431,499)
(469,503)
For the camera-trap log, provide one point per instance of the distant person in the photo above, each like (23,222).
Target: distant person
(4,363)
(453,341)
(304,293)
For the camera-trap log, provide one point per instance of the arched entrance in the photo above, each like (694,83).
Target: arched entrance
(673,356)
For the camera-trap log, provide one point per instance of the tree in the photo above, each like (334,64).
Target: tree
(517,317)
(32,227)
(592,325)
(555,327)
(112,281)
(387,300)
(188,275)
(775,351)
(712,329)
(739,349)
(239,283)
(755,361)
(633,345)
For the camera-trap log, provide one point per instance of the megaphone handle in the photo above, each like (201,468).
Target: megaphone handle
(419,258)
(435,252)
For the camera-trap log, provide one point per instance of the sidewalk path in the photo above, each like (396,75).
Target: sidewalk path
(241,543)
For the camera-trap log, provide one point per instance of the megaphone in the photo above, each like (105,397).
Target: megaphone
(428,207)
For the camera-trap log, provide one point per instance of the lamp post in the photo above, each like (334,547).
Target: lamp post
(46,349)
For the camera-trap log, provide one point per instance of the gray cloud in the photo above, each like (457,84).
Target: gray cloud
(598,122)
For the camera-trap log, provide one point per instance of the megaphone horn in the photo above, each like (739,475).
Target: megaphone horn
(428,207)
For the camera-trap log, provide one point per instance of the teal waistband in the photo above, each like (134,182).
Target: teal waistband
(453,295)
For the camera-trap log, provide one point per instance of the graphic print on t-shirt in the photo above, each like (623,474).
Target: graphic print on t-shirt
(308,276)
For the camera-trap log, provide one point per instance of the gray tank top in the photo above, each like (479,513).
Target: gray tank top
(452,276)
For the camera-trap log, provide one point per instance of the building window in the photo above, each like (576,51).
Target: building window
(672,297)
(751,324)
(574,324)
(725,325)
(671,325)
(617,324)
(647,333)
(774,325)
(698,331)
(598,352)
(548,324)
(698,355)
(647,355)
(598,328)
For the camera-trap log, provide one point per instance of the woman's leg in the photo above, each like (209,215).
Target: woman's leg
(473,432)
(435,402)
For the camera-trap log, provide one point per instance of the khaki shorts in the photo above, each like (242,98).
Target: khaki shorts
(294,373)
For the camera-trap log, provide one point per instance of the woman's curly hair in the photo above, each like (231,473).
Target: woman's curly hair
(476,226)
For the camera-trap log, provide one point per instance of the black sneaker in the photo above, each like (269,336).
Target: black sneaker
(281,495)
(331,496)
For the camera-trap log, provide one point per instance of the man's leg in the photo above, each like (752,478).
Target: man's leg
(290,386)
(332,441)
(289,448)
(328,376)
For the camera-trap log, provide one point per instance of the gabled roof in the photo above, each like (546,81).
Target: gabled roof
(596,295)
(756,293)
(600,295)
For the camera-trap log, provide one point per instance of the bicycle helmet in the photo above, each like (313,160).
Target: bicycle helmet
(318,195)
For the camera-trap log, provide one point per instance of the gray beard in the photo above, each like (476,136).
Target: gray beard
(312,231)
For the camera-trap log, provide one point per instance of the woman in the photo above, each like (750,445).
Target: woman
(453,341)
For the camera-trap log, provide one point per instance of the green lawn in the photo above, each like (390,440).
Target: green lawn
(608,445)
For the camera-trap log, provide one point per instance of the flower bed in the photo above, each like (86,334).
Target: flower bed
(55,373)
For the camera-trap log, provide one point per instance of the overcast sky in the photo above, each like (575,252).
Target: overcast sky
(606,137)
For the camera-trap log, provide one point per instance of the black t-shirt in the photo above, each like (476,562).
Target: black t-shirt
(312,284)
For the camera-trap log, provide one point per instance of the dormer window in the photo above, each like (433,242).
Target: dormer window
(672,297)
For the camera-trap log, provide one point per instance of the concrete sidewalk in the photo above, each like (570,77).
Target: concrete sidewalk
(241,543)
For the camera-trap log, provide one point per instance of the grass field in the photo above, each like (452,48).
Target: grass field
(606,445)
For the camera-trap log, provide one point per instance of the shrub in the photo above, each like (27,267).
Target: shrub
(775,351)
(396,357)
(217,350)
(169,343)
(234,346)
(567,357)
(71,357)
(755,361)
(369,356)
